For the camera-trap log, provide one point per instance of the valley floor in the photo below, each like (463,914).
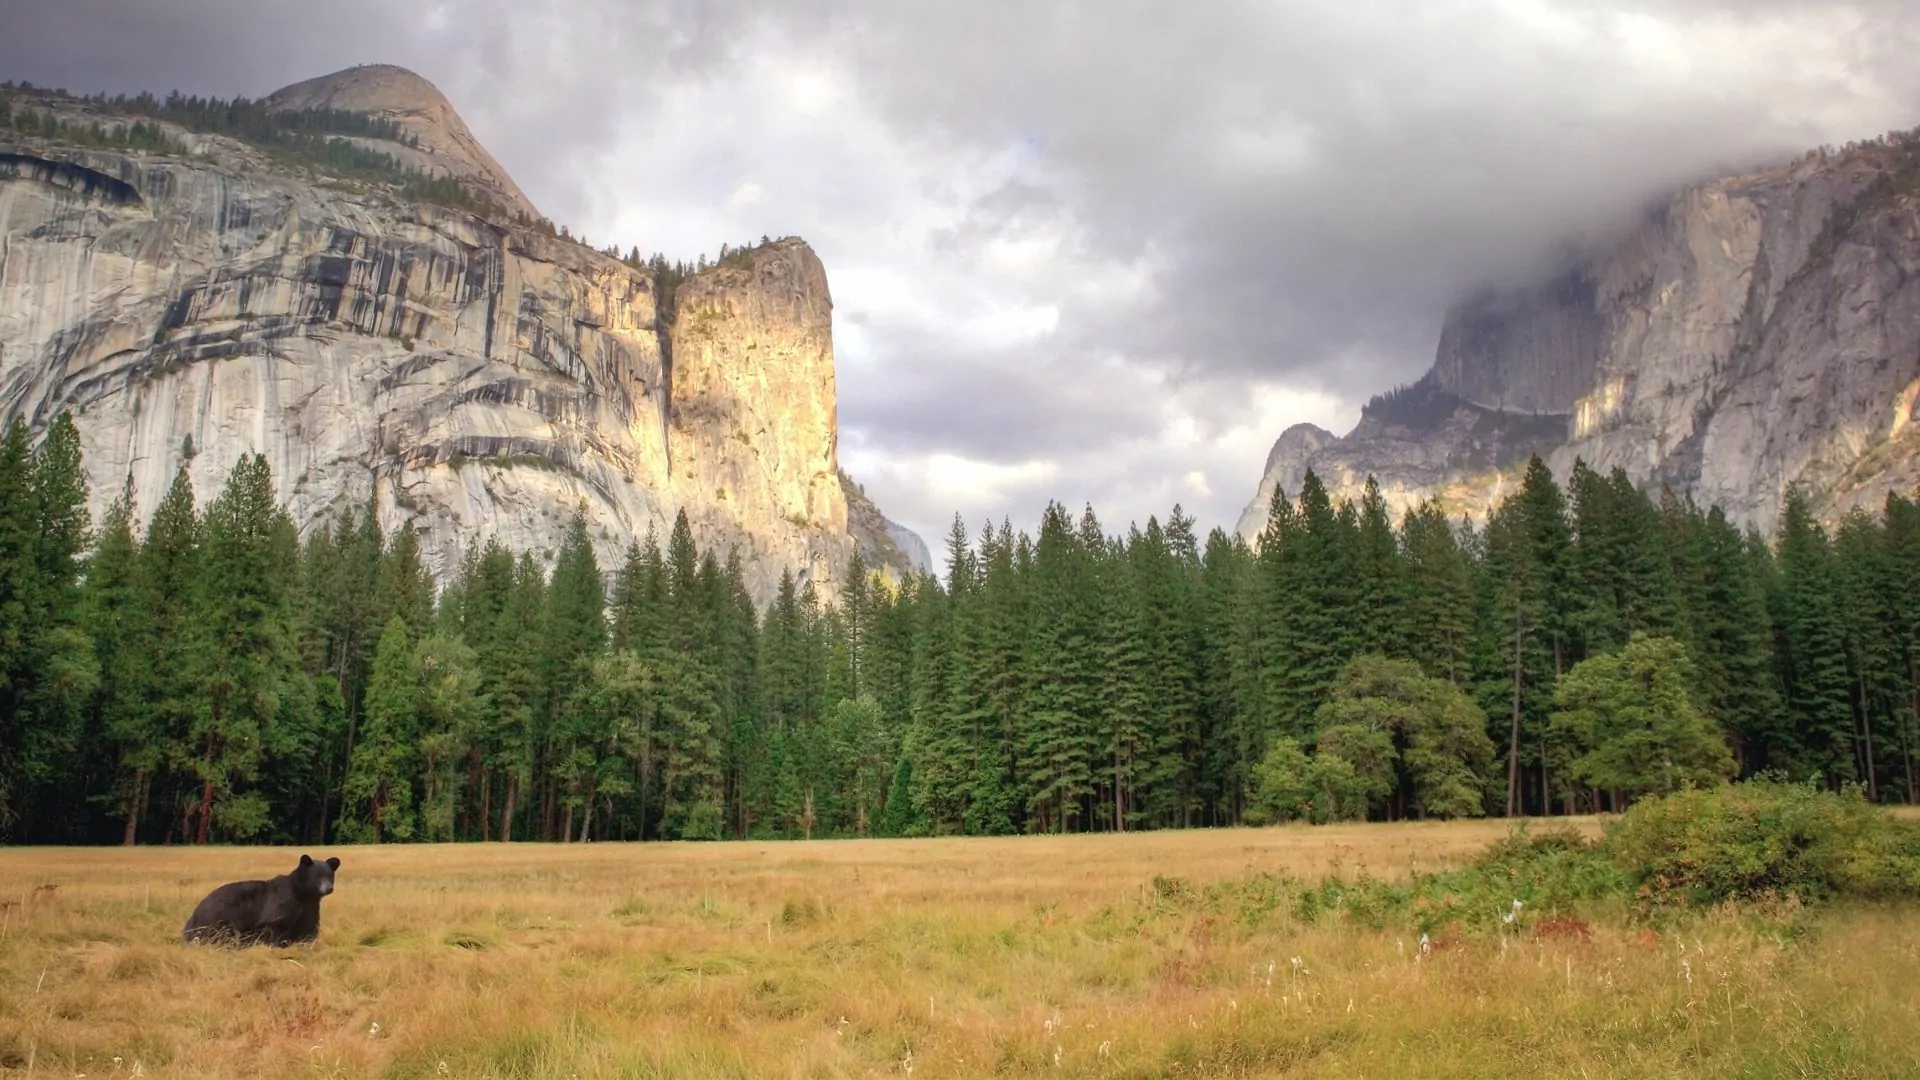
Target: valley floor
(1098,956)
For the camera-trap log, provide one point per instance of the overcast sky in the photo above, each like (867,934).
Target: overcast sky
(1092,250)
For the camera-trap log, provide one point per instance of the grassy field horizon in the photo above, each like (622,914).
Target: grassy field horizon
(1149,954)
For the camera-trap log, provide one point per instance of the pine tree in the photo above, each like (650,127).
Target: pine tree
(119,626)
(574,635)
(1059,741)
(246,668)
(1380,582)
(448,712)
(1729,629)
(1812,649)
(942,759)
(19,599)
(169,580)
(48,670)
(379,783)
(1439,583)
(1595,621)
(1901,518)
(404,587)
(1233,711)
(1310,593)
(1118,604)
(1875,653)
(692,781)
(1525,637)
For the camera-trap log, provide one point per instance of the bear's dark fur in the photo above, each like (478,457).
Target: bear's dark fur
(279,911)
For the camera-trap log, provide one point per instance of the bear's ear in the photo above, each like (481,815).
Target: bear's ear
(333,863)
(305,861)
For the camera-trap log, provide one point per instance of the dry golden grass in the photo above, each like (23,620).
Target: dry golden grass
(1030,956)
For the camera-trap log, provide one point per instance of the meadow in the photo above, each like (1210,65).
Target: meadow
(1157,954)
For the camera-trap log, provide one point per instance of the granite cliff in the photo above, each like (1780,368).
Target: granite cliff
(1749,333)
(470,376)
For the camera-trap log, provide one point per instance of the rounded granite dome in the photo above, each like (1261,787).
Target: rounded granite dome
(410,100)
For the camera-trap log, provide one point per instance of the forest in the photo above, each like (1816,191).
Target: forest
(211,676)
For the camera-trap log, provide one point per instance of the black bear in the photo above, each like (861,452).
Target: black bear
(277,912)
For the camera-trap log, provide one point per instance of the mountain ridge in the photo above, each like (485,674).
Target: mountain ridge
(1751,332)
(468,376)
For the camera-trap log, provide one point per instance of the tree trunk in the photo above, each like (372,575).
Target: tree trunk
(1866,730)
(138,801)
(586,808)
(1906,738)
(506,810)
(204,825)
(1513,745)
(379,812)
(486,805)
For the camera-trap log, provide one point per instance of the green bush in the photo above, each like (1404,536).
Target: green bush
(1552,873)
(1751,841)
(1764,838)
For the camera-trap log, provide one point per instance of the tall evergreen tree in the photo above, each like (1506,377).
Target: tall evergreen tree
(379,783)
(119,626)
(169,581)
(249,683)
(1812,650)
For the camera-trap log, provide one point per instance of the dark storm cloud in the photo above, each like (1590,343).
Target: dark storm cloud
(1098,248)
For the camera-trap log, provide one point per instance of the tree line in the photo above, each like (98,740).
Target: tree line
(210,676)
(316,138)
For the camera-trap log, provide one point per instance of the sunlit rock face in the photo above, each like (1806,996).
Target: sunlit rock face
(468,378)
(1751,333)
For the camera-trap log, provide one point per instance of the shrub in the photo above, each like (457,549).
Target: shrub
(1760,838)
(1289,784)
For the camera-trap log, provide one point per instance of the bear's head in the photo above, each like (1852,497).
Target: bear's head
(314,879)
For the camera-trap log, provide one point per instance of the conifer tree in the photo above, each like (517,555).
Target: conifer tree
(1873,607)
(1812,649)
(118,623)
(1119,605)
(168,581)
(404,588)
(448,712)
(1233,712)
(246,668)
(1380,583)
(1440,615)
(1528,551)
(48,670)
(1901,518)
(1059,740)
(379,784)
(574,635)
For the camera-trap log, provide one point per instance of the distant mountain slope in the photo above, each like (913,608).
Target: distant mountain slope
(1752,332)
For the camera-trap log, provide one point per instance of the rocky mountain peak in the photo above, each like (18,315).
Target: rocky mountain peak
(1751,333)
(446,146)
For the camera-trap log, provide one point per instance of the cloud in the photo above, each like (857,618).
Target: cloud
(1093,250)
